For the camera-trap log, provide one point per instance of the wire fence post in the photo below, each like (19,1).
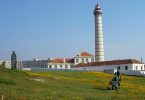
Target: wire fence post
(2,97)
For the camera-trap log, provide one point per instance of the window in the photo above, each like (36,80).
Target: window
(136,68)
(118,68)
(71,65)
(82,60)
(61,66)
(126,67)
(77,60)
(55,66)
(50,66)
(87,60)
(92,60)
(141,67)
(66,67)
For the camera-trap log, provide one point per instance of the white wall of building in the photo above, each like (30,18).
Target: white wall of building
(78,60)
(138,67)
(60,65)
(122,67)
(1,62)
(133,72)
(35,63)
(7,64)
(26,69)
(19,65)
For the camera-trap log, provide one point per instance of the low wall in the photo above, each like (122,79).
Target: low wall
(27,69)
(47,69)
(133,72)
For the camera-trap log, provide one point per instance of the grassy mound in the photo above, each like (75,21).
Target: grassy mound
(61,85)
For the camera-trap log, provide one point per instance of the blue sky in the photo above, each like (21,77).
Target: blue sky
(63,28)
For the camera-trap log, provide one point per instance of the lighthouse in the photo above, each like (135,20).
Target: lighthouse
(99,47)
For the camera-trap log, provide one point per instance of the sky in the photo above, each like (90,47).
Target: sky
(63,28)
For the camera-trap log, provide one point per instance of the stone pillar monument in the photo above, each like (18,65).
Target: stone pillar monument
(13,61)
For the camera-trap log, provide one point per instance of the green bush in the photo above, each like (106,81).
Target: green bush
(6,81)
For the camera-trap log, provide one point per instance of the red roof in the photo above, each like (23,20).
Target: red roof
(114,62)
(84,54)
(97,7)
(62,60)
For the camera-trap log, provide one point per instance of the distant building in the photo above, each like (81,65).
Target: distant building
(7,64)
(35,63)
(1,62)
(68,63)
(19,64)
(84,57)
(61,63)
(126,64)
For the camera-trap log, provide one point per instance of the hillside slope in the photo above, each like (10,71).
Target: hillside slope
(61,85)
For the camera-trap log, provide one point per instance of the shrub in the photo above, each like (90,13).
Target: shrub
(6,81)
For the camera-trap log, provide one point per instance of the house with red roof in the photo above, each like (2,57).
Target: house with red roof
(61,63)
(68,63)
(84,57)
(125,64)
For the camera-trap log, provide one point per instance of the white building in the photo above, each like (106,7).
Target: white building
(1,62)
(61,63)
(19,65)
(7,64)
(127,64)
(34,63)
(84,57)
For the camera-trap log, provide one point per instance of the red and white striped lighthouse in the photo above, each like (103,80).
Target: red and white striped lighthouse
(99,47)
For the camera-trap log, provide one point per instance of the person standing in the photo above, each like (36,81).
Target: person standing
(119,77)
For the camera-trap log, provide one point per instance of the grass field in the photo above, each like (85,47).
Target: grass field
(61,85)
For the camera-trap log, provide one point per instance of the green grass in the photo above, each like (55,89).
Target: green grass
(61,85)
